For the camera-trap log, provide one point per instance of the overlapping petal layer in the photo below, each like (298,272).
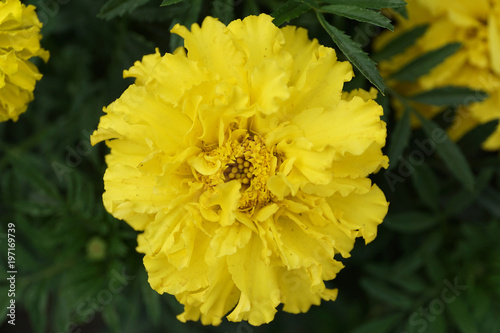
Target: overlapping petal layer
(19,41)
(246,168)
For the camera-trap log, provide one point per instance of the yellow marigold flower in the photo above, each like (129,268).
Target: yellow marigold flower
(475,24)
(19,41)
(246,168)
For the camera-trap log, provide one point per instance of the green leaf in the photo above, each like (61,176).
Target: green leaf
(4,301)
(382,325)
(464,198)
(448,150)
(399,139)
(427,186)
(26,166)
(224,10)
(359,14)
(461,316)
(169,2)
(290,10)
(410,222)
(385,293)
(36,299)
(449,95)
(474,138)
(152,301)
(434,269)
(114,8)
(354,53)
(403,11)
(410,282)
(425,63)
(401,43)
(111,318)
(490,200)
(409,264)
(37,209)
(481,298)
(373,4)
(309,3)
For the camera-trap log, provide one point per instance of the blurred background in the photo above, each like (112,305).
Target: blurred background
(434,267)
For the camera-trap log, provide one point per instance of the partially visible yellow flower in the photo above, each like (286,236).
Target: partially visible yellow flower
(246,167)
(19,41)
(475,24)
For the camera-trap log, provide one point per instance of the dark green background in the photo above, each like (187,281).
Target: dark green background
(437,231)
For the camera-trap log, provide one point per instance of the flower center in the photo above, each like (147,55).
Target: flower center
(248,161)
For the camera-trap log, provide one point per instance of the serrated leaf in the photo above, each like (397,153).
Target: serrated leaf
(448,151)
(114,8)
(449,95)
(410,222)
(169,2)
(381,325)
(385,293)
(427,186)
(354,53)
(359,14)
(373,4)
(425,63)
(290,10)
(401,43)
(399,139)
(461,316)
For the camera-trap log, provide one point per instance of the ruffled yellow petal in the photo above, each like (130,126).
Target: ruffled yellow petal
(243,163)
(165,277)
(302,49)
(214,48)
(258,283)
(365,218)
(213,302)
(337,127)
(142,69)
(321,82)
(296,292)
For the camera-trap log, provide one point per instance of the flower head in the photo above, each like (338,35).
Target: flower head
(474,24)
(246,168)
(19,41)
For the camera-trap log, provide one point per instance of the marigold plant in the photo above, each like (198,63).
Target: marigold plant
(19,41)
(473,24)
(245,167)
